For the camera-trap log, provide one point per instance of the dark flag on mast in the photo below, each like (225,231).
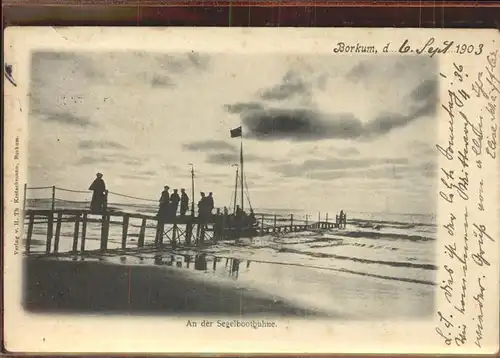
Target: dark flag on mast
(236,132)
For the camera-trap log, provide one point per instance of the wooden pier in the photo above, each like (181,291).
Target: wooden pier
(49,221)
(167,233)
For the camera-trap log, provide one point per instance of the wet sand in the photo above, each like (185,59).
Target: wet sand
(95,287)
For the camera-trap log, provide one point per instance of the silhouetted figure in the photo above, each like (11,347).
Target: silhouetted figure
(98,203)
(342,220)
(202,215)
(252,218)
(210,204)
(226,211)
(202,207)
(164,202)
(174,203)
(184,202)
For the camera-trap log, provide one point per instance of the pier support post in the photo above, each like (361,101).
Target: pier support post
(159,233)
(75,234)
(291,222)
(142,233)
(58,232)
(104,232)
(84,231)
(202,233)
(50,228)
(30,231)
(262,225)
(124,231)
(174,236)
(274,225)
(189,230)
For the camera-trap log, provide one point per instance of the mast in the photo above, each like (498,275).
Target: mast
(235,188)
(192,189)
(241,165)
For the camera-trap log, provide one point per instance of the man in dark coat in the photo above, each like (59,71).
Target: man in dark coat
(99,194)
(164,202)
(210,204)
(174,203)
(202,207)
(184,202)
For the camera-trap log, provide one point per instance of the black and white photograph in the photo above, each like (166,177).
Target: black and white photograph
(231,184)
(251,190)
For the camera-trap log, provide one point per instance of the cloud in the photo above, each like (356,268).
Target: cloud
(209,145)
(426,90)
(347,152)
(332,164)
(301,119)
(243,106)
(152,68)
(385,69)
(292,85)
(99,144)
(222,158)
(297,124)
(93,160)
(162,81)
(303,124)
(68,119)
(234,158)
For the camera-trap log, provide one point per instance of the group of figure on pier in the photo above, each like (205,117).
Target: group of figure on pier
(169,203)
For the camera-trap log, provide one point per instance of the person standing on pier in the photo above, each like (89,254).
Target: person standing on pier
(210,204)
(202,214)
(184,202)
(202,207)
(174,203)
(164,202)
(98,187)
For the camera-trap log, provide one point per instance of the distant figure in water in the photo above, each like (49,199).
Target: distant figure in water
(174,203)
(98,203)
(342,220)
(184,202)
(164,202)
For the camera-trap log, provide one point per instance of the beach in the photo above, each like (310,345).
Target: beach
(378,267)
(94,287)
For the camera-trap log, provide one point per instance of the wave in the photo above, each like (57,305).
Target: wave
(356,259)
(375,235)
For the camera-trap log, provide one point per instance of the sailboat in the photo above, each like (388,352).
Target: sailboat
(240,223)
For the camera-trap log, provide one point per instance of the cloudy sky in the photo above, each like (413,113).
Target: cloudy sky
(320,132)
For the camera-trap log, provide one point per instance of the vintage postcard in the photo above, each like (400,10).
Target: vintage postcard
(251,190)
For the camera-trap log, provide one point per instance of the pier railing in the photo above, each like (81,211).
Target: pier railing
(134,225)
